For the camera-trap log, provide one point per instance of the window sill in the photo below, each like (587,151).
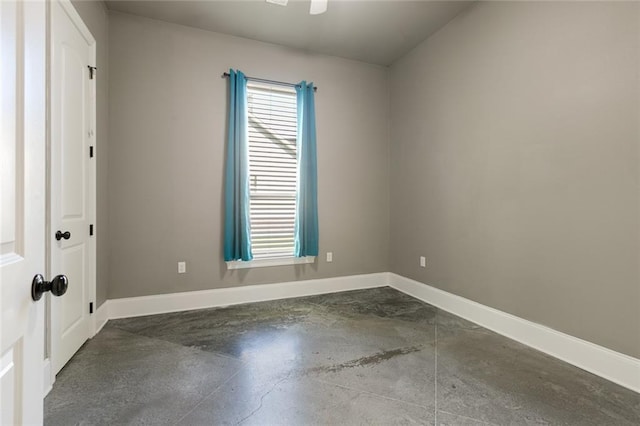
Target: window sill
(264,263)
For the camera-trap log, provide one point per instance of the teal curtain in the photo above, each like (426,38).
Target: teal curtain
(237,227)
(306,225)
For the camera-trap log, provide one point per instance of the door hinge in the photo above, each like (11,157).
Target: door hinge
(91,152)
(91,229)
(92,71)
(90,307)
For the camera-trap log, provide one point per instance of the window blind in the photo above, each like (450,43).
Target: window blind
(272,169)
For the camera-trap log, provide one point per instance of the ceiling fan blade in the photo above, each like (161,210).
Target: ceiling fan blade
(318,7)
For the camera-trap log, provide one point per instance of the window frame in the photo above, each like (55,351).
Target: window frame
(265,263)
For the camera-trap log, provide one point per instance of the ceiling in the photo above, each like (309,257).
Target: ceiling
(373,31)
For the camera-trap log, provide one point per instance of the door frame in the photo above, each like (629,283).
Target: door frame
(67,6)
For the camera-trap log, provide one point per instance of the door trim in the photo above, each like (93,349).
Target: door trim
(47,385)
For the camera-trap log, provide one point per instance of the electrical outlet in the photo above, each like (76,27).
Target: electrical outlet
(329,257)
(182,267)
(423,262)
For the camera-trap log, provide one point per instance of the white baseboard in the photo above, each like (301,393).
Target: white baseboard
(614,366)
(174,302)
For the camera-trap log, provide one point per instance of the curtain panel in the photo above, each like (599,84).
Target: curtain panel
(237,227)
(306,224)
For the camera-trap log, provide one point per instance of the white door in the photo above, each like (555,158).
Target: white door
(72,180)
(22,212)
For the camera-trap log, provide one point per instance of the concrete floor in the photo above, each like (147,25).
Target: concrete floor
(362,357)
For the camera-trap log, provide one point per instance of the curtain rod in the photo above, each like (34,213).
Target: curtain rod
(264,80)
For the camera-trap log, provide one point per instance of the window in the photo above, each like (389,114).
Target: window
(272,128)
(270,194)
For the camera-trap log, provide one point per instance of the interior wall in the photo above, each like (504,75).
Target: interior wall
(95,16)
(515,164)
(168,112)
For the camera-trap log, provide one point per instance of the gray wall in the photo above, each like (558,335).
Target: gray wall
(167,131)
(515,153)
(95,16)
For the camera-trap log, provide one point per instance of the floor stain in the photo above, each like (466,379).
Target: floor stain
(376,358)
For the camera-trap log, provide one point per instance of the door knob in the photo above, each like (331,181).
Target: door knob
(57,286)
(60,235)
